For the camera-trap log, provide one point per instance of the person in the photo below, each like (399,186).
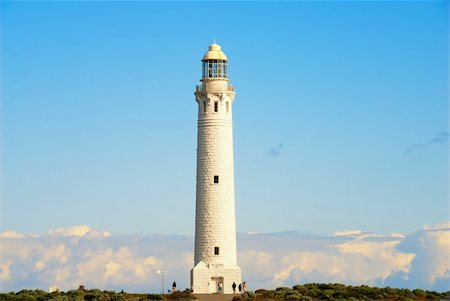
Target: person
(174,287)
(244,287)
(220,287)
(234,287)
(240,288)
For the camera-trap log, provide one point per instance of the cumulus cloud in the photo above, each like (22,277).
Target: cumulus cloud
(431,264)
(79,255)
(350,257)
(68,257)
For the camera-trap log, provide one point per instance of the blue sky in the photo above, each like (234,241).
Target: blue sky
(340,118)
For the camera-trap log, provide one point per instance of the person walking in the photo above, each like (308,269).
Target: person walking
(174,287)
(220,287)
(244,286)
(234,287)
(240,288)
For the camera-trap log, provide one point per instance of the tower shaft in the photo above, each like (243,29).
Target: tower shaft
(215,263)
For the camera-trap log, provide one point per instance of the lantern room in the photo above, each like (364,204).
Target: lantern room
(214,63)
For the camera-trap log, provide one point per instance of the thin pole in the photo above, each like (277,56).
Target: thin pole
(162,279)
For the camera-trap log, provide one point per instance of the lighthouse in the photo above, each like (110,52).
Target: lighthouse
(215,263)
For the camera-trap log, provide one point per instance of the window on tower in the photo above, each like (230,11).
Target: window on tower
(204,107)
(228,107)
(216,106)
(216,250)
(216,179)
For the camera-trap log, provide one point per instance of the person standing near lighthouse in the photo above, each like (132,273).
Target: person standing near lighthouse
(215,259)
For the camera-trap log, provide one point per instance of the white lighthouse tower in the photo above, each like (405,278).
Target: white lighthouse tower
(215,263)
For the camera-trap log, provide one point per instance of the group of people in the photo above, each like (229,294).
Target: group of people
(242,287)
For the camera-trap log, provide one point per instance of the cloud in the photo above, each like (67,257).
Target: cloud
(352,257)
(79,255)
(276,151)
(431,264)
(69,257)
(347,233)
(10,234)
(442,137)
(79,230)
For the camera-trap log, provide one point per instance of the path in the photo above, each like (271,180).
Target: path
(215,297)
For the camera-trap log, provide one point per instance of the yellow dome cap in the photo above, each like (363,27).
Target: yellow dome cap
(215,53)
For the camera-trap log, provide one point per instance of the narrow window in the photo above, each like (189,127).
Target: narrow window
(216,106)
(216,179)
(228,107)
(204,107)
(216,250)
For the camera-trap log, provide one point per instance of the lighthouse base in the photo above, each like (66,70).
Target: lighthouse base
(205,278)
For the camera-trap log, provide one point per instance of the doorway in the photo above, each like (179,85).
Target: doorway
(214,284)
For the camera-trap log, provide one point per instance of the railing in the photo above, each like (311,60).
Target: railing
(201,88)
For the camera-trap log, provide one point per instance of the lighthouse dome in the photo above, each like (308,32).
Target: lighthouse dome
(215,53)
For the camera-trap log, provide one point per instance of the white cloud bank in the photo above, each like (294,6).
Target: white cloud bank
(68,257)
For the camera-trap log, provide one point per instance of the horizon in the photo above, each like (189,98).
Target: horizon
(340,139)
